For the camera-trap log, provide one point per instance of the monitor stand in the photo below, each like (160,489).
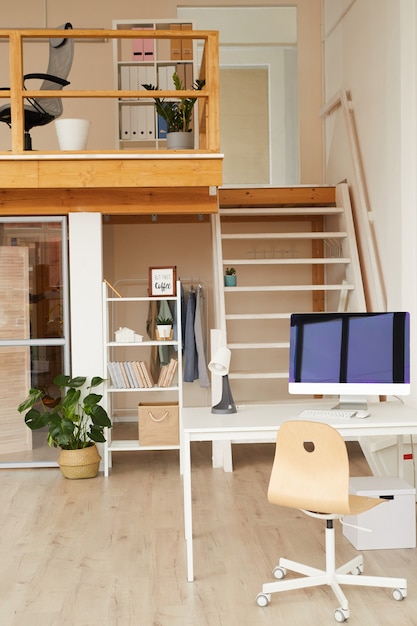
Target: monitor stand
(354,403)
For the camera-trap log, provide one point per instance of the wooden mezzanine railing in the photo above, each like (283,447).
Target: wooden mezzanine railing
(208,97)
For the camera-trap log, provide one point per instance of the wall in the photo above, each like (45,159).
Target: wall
(93,68)
(369,50)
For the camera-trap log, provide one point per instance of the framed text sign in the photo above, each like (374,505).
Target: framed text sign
(162,281)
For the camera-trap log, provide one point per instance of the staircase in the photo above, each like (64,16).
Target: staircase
(294,250)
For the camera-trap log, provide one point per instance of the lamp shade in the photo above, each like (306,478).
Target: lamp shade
(220,363)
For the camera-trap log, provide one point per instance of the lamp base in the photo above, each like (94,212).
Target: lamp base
(226,404)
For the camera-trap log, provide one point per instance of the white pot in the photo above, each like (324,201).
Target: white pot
(164,330)
(180,141)
(72,133)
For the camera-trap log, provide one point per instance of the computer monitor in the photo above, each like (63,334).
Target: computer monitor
(352,355)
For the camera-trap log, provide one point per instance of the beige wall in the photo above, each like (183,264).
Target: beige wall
(369,48)
(93,66)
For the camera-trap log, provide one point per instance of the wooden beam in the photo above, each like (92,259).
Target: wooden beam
(277,196)
(99,172)
(124,201)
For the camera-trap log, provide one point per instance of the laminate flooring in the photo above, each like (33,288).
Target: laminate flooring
(111,552)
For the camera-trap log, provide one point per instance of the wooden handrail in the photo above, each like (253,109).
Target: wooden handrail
(363,215)
(209,139)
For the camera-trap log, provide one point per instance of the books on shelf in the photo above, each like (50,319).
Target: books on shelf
(130,375)
(167,373)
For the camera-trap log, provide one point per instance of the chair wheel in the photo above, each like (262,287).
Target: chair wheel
(399,594)
(340,615)
(279,572)
(263,599)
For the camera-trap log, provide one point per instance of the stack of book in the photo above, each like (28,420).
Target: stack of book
(130,374)
(167,373)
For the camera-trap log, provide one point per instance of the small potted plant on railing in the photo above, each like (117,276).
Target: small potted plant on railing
(75,422)
(164,327)
(230,278)
(177,114)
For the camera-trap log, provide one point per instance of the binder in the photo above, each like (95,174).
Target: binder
(180,69)
(124,78)
(125,122)
(150,121)
(186,44)
(176,44)
(143,49)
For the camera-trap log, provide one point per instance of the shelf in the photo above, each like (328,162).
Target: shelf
(132,445)
(157,422)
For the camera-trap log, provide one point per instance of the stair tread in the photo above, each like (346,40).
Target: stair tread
(289,261)
(291,235)
(254,288)
(257,316)
(258,344)
(288,210)
(258,375)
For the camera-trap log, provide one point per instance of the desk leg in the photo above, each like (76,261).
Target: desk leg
(400,452)
(188,513)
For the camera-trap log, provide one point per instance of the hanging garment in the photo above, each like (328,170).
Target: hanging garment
(190,350)
(151,330)
(199,339)
(164,351)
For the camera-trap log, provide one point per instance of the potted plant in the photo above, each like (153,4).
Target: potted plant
(177,114)
(230,278)
(75,422)
(164,327)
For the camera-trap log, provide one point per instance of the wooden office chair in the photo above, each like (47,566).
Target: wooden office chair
(41,111)
(311,473)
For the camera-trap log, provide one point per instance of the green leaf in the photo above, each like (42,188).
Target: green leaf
(35,419)
(62,380)
(95,381)
(34,396)
(100,417)
(96,434)
(78,381)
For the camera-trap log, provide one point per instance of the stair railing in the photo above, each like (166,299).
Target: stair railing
(371,267)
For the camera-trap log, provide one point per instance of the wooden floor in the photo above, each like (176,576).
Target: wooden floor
(110,552)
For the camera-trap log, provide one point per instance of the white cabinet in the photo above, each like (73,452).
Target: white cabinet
(132,363)
(142,61)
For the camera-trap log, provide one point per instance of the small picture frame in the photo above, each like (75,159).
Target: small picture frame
(162,281)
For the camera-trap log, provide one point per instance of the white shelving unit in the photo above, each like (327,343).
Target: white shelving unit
(122,404)
(149,61)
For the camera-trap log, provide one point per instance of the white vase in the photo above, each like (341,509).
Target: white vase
(72,133)
(180,141)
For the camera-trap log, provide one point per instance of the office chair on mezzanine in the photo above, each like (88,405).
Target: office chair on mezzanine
(311,472)
(41,111)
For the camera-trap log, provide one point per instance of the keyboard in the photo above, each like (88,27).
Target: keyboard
(323,413)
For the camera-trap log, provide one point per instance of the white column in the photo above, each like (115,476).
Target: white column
(86,276)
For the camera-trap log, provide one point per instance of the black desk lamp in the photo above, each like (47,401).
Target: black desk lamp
(219,365)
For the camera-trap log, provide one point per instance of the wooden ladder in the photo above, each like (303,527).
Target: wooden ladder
(294,250)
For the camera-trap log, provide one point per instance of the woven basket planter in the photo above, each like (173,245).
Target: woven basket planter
(82,463)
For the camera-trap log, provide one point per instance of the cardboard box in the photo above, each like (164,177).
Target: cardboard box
(159,424)
(392,523)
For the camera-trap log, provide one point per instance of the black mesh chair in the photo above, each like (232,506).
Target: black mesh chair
(41,111)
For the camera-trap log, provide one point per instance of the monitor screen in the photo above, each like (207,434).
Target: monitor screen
(350,354)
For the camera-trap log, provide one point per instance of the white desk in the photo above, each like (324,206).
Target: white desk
(261,423)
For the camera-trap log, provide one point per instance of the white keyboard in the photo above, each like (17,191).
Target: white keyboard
(323,413)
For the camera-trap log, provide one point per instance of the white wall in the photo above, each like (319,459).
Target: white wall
(369,50)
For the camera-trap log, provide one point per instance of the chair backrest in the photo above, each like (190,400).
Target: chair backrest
(311,468)
(61,54)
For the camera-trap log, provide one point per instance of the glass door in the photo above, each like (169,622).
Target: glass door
(34,328)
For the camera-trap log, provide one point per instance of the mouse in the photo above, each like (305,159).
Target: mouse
(362,414)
